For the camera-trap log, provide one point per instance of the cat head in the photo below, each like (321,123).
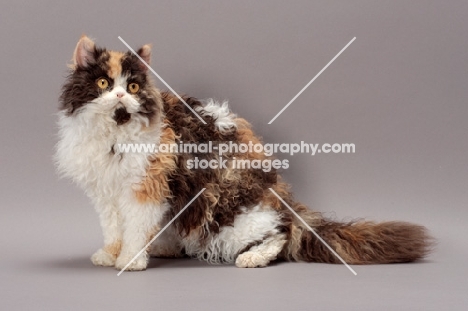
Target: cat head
(111,83)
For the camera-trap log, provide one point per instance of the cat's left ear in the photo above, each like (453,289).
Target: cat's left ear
(145,54)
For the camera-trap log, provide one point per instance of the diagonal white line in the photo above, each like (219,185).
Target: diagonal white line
(162,230)
(313,79)
(313,231)
(162,80)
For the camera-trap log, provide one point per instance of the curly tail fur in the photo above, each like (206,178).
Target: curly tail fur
(362,242)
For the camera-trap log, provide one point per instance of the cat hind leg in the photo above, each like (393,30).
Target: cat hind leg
(262,254)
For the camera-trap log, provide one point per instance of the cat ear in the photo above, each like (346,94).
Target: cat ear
(84,52)
(145,54)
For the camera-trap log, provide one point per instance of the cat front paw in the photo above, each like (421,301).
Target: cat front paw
(251,260)
(139,264)
(103,258)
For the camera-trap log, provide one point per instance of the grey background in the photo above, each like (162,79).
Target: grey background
(398,92)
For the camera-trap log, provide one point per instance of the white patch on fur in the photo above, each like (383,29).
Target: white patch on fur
(224,118)
(251,226)
(85,153)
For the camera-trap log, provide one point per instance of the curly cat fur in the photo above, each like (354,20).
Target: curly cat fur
(236,219)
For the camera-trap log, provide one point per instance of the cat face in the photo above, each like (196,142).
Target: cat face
(112,83)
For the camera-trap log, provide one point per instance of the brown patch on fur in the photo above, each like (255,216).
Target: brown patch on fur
(114,248)
(155,187)
(115,64)
(245,135)
(283,190)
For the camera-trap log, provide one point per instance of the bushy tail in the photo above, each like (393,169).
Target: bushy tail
(361,242)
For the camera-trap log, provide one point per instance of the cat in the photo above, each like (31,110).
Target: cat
(109,99)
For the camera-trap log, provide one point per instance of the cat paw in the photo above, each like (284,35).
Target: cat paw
(103,258)
(138,264)
(251,260)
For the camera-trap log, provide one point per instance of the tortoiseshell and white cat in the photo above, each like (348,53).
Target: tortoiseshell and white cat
(109,99)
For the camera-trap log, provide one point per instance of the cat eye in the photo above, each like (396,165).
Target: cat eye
(102,83)
(133,87)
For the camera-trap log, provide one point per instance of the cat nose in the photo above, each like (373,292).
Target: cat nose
(120,94)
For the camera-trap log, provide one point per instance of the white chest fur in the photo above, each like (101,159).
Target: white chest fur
(86,153)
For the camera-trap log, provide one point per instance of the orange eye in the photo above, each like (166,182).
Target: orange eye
(133,87)
(102,83)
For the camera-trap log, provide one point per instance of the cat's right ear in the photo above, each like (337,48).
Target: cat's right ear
(84,52)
